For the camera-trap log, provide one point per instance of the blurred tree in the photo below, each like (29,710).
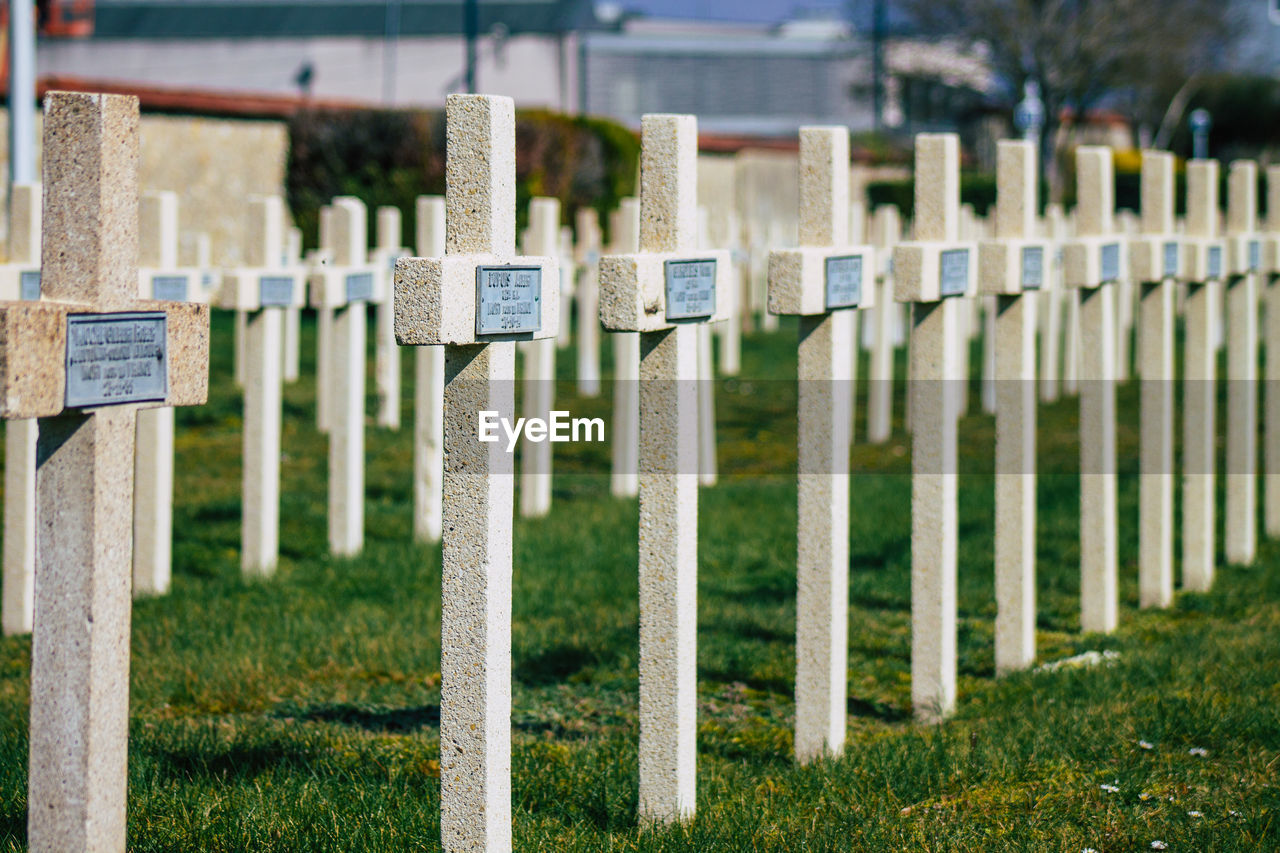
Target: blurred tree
(1080,51)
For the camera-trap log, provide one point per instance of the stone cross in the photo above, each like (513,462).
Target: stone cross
(20,279)
(708,467)
(1012,268)
(823,276)
(663,292)
(935,273)
(320,260)
(542,240)
(264,290)
(1244,263)
(589,237)
(1126,304)
(568,282)
(428,395)
(160,278)
(84,359)
(292,314)
(886,232)
(1051,309)
(1271,399)
(1156,259)
(346,287)
(1092,265)
(476,301)
(624,480)
(1205,254)
(386,353)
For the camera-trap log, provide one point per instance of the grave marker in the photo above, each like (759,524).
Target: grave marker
(663,292)
(1157,260)
(1052,298)
(428,395)
(886,232)
(1205,254)
(320,260)
(345,287)
(51,363)
(589,238)
(386,353)
(542,239)
(1011,269)
(1244,265)
(1092,265)
(437,304)
(292,314)
(823,276)
(625,480)
(1271,399)
(264,290)
(934,272)
(20,280)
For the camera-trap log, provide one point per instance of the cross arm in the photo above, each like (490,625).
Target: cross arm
(1094,261)
(633,294)
(1204,259)
(436,299)
(1155,257)
(1011,266)
(802,282)
(33,355)
(254,289)
(335,287)
(179,284)
(1244,254)
(919,269)
(19,281)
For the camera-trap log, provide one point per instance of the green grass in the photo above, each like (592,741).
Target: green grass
(300,712)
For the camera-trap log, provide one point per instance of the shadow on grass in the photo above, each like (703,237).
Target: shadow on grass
(384,720)
(237,762)
(554,665)
(877,710)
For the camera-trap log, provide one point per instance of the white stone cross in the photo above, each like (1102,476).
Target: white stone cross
(1156,260)
(663,292)
(84,359)
(346,287)
(823,276)
(293,314)
(1092,264)
(1205,254)
(1011,269)
(1271,398)
(624,480)
(935,272)
(428,394)
(1051,305)
(160,278)
(542,239)
(20,279)
(588,247)
(264,290)
(886,232)
(320,259)
(1244,264)
(476,301)
(386,353)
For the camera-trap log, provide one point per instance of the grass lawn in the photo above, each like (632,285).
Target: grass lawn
(300,712)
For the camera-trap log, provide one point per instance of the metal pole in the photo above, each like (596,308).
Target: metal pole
(22,92)
(472,26)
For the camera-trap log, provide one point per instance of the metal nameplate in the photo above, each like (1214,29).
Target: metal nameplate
(359,286)
(1032,267)
(844,282)
(1255,255)
(29,285)
(1170,259)
(116,358)
(1215,262)
(954,267)
(206,280)
(1111,262)
(508,300)
(275,290)
(691,288)
(169,288)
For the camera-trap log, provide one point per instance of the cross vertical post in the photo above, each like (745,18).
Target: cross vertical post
(1244,262)
(542,238)
(886,232)
(588,222)
(1271,399)
(428,399)
(624,481)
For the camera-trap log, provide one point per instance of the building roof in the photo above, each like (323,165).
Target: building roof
(183,19)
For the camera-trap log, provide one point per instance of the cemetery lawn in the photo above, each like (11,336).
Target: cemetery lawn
(300,713)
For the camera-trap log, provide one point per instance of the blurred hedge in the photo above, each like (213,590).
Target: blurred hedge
(390,157)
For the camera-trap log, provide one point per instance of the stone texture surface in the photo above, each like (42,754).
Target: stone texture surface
(1241,510)
(386,352)
(428,400)
(625,452)
(588,292)
(886,232)
(542,238)
(1271,399)
(347,375)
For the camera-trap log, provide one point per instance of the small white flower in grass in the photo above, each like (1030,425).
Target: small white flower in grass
(1144,796)
(1233,812)
(1146,744)
(1198,751)
(1088,850)
(1195,813)
(1110,789)
(1159,845)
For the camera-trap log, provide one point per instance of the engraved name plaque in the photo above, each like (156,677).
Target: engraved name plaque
(508,300)
(954,265)
(1255,255)
(116,358)
(691,289)
(275,290)
(1111,262)
(1215,262)
(359,286)
(1170,260)
(29,285)
(1033,267)
(169,288)
(844,282)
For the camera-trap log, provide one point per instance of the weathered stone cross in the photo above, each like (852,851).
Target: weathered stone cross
(824,275)
(428,394)
(663,292)
(263,291)
(1093,263)
(476,301)
(1271,399)
(1156,258)
(588,247)
(935,272)
(1012,268)
(83,359)
(542,239)
(624,479)
(386,354)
